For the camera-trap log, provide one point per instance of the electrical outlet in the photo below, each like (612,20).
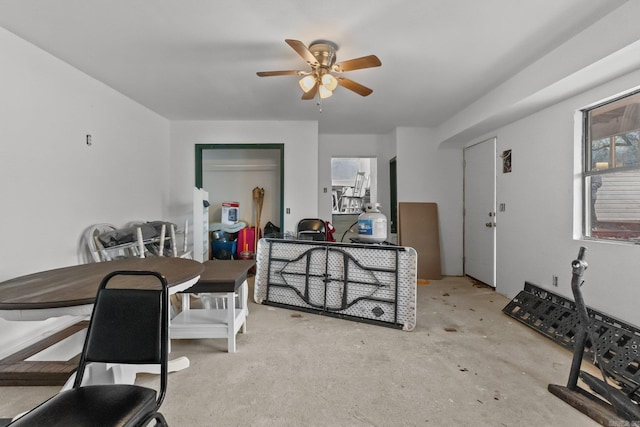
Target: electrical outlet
(554,280)
(288,210)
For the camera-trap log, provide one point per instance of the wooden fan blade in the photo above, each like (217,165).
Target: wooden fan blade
(357,64)
(354,86)
(312,93)
(280,73)
(303,51)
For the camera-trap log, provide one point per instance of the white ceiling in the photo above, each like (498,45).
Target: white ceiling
(197,59)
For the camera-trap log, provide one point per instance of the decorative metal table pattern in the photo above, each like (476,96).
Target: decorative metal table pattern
(363,282)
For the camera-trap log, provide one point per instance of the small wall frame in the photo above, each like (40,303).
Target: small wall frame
(506,161)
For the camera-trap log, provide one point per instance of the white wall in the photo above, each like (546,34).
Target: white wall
(428,173)
(425,173)
(300,139)
(241,171)
(386,152)
(52,185)
(535,234)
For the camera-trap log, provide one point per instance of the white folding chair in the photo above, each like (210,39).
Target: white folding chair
(351,200)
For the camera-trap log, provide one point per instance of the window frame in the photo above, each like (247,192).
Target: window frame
(589,171)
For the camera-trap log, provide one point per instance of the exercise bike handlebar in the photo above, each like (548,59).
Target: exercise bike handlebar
(578,266)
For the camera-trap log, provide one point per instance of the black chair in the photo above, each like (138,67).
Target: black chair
(312,229)
(126,326)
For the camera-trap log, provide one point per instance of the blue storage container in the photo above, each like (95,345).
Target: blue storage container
(223,250)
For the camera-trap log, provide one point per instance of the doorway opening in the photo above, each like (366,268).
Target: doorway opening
(354,184)
(230,172)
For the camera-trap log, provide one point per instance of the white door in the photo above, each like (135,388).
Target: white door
(480,211)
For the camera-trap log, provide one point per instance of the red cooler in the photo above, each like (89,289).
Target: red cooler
(246,240)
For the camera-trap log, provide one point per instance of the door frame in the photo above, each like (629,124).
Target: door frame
(199,148)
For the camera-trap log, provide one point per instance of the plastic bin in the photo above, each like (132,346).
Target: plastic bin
(223,250)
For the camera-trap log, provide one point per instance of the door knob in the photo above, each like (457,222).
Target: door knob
(489,225)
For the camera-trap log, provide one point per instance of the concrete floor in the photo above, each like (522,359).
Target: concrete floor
(465,364)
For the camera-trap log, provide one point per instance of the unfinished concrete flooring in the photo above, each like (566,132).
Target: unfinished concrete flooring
(465,364)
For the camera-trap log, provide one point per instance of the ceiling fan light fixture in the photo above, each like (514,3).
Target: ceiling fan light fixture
(324,92)
(320,56)
(307,83)
(329,82)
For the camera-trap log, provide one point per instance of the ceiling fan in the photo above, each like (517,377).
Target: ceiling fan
(321,57)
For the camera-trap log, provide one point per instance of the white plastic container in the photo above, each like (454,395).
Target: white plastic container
(230,212)
(372,225)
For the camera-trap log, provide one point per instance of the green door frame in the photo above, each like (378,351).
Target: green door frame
(393,194)
(201,147)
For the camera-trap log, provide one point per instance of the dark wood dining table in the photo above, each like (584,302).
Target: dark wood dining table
(226,278)
(71,291)
(77,285)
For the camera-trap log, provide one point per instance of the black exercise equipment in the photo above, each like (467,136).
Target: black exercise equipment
(614,405)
